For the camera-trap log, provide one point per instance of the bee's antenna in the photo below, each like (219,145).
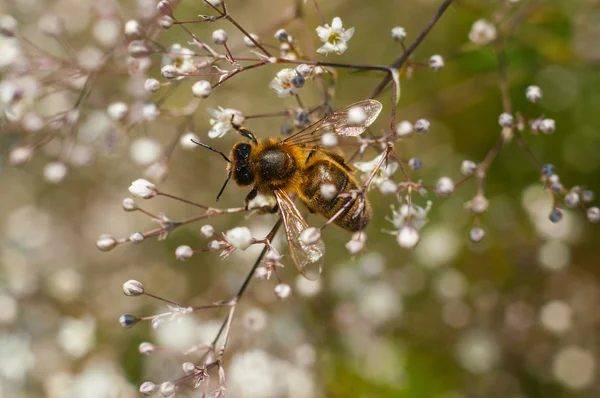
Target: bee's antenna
(212,149)
(224,185)
(244,131)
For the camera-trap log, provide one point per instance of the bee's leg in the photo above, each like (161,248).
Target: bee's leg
(312,152)
(243,131)
(251,195)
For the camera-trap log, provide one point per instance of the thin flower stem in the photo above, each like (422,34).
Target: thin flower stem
(189,202)
(397,64)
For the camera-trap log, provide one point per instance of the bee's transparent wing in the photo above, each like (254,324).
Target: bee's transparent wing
(308,258)
(349,121)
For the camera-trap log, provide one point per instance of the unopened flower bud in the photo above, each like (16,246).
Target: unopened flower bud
(436,62)
(283,290)
(128,204)
(201,89)
(184,253)
(476,234)
(133,288)
(143,188)
(147,388)
(166,389)
(304,70)
(354,246)
(408,237)
(398,33)
(138,49)
(415,163)
(533,94)
(152,85)
(329,140)
(388,187)
(146,348)
(106,243)
(404,129)
(547,126)
(310,236)
(281,35)
(165,8)
(505,120)
(328,191)
(165,22)
(117,110)
(188,368)
(214,245)
(572,199)
(444,186)
(422,126)
(207,231)
(133,29)
(261,273)
(136,237)
(128,321)
(468,167)
(250,43)
(219,36)
(593,214)
(239,237)
(169,72)
(20,155)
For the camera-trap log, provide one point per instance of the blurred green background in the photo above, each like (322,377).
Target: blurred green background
(514,316)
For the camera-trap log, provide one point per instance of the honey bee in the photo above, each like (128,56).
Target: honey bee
(298,166)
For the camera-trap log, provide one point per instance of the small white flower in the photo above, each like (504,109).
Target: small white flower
(388,187)
(221,121)
(547,126)
(436,62)
(328,191)
(329,140)
(505,119)
(117,110)
(384,172)
(444,186)
(468,167)
(416,214)
(186,141)
(133,29)
(239,237)
(55,172)
(398,33)
(20,155)
(533,94)
(283,83)
(143,188)
(482,32)
(357,115)
(335,37)
(181,58)
(283,290)
(149,111)
(404,129)
(408,237)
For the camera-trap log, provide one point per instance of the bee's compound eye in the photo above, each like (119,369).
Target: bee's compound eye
(243,150)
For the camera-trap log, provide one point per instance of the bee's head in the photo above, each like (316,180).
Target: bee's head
(240,169)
